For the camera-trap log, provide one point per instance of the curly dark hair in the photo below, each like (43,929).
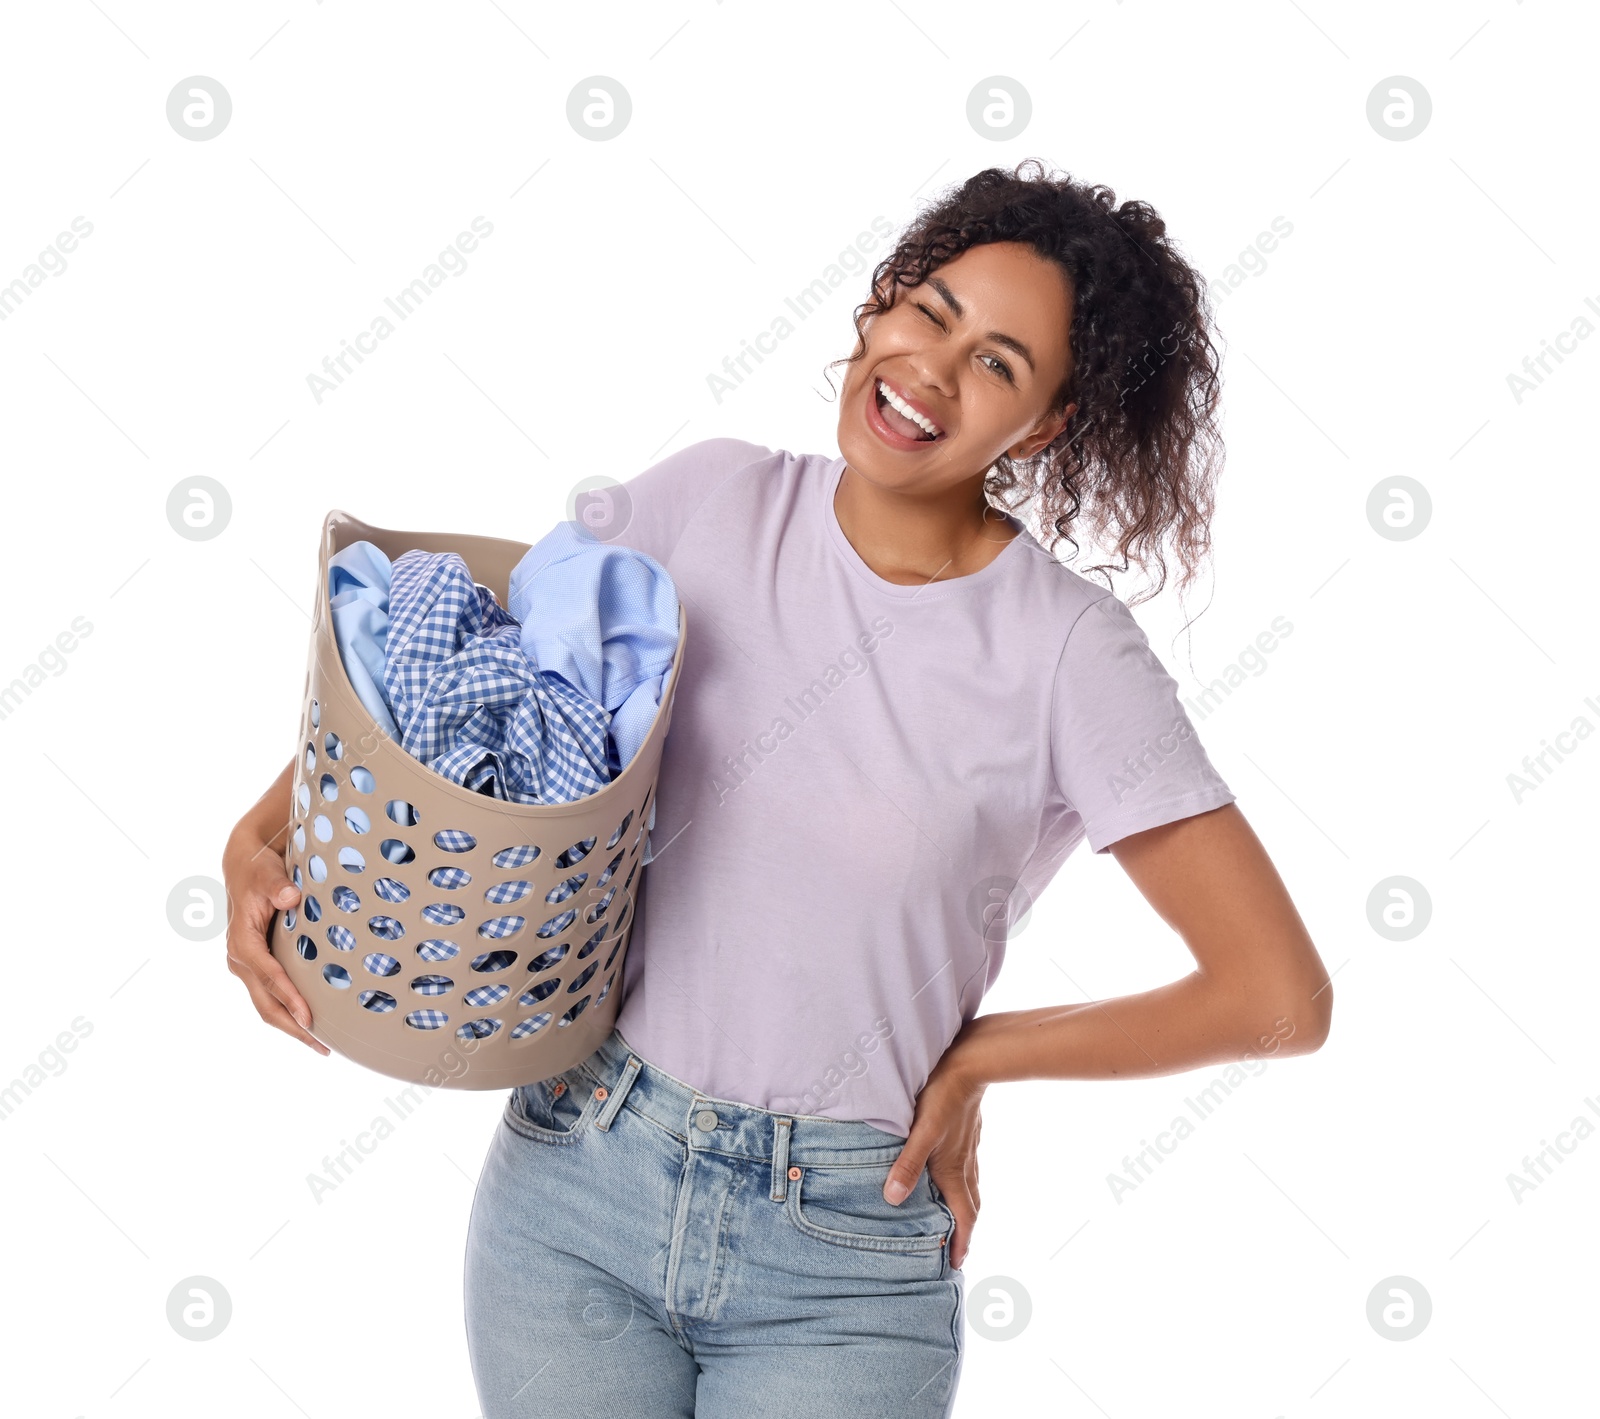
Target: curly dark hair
(1139,456)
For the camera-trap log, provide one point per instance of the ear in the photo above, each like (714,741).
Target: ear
(1042,438)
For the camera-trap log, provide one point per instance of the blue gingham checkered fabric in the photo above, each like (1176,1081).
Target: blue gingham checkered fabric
(470,704)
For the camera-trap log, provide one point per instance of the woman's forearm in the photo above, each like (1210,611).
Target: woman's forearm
(1188,1024)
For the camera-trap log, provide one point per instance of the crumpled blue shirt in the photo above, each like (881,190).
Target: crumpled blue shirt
(469,703)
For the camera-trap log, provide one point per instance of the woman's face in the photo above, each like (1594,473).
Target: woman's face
(979,349)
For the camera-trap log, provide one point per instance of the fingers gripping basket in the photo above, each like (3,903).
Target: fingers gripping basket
(445,937)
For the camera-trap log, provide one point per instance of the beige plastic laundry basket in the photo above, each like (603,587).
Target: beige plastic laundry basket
(444,937)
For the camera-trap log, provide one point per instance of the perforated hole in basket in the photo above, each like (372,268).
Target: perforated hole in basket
(341,938)
(401,812)
(381,965)
(575,854)
(611,868)
(312,908)
(482,995)
(494,961)
(591,943)
(449,879)
(547,959)
(392,889)
(454,840)
(361,780)
(351,860)
(380,1002)
(435,951)
(502,894)
(336,976)
(564,889)
(598,910)
(386,928)
(616,837)
(500,927)
(523,1028)
(356,819)
(427,1019)
(317,868)
(557,924)
(316,715)
(519,855)
(573,1013)
(302,796)
(328,786)
(347,899)
(443,914)
(583,977)
(542,991)
(322,828)
(307,948)
(397,852)
(333,747)
(433,985)
(478,1029)
(299,837)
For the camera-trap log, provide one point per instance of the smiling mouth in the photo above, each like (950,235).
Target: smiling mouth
(901,419)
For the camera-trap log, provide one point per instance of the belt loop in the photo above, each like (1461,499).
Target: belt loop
(630,1072)
(780,1159)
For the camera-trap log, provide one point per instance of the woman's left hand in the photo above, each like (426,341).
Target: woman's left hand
(944,1135)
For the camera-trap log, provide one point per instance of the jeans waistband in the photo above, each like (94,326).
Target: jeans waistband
(704,1121)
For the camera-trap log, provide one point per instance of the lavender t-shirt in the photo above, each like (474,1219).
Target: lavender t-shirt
(865,783)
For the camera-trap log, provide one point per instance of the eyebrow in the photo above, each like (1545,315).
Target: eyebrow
(999,339)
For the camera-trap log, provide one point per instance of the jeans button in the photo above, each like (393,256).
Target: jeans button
(705,1120)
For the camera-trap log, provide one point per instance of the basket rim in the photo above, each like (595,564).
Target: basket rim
(394,755)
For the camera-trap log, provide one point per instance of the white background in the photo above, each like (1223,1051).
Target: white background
(1377,741)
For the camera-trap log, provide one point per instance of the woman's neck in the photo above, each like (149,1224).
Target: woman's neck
(911,540)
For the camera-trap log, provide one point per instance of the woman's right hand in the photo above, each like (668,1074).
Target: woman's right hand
(257,887)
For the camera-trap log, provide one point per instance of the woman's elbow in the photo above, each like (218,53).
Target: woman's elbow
(1303,1017)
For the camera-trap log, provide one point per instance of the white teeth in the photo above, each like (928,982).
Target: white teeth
(925,424)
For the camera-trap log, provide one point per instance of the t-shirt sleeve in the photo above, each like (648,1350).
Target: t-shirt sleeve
(1125,753)
(649,512)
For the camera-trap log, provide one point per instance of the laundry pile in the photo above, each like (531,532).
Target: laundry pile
(544,700)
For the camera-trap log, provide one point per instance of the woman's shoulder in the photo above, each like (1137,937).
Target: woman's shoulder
(708,457)
(652,508)
(1046,582)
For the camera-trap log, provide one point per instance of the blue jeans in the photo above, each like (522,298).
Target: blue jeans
(638,1250)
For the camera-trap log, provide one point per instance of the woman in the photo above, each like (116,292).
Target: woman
(899,713)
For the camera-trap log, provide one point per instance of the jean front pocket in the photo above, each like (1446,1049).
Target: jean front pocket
(554,1110)
(846,1206)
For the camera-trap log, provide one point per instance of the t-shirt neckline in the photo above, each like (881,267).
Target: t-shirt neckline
(832,476)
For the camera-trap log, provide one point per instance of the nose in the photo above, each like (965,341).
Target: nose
(933,367)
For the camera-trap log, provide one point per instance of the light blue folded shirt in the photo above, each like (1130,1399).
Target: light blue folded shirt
(604,618)
(358,602)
